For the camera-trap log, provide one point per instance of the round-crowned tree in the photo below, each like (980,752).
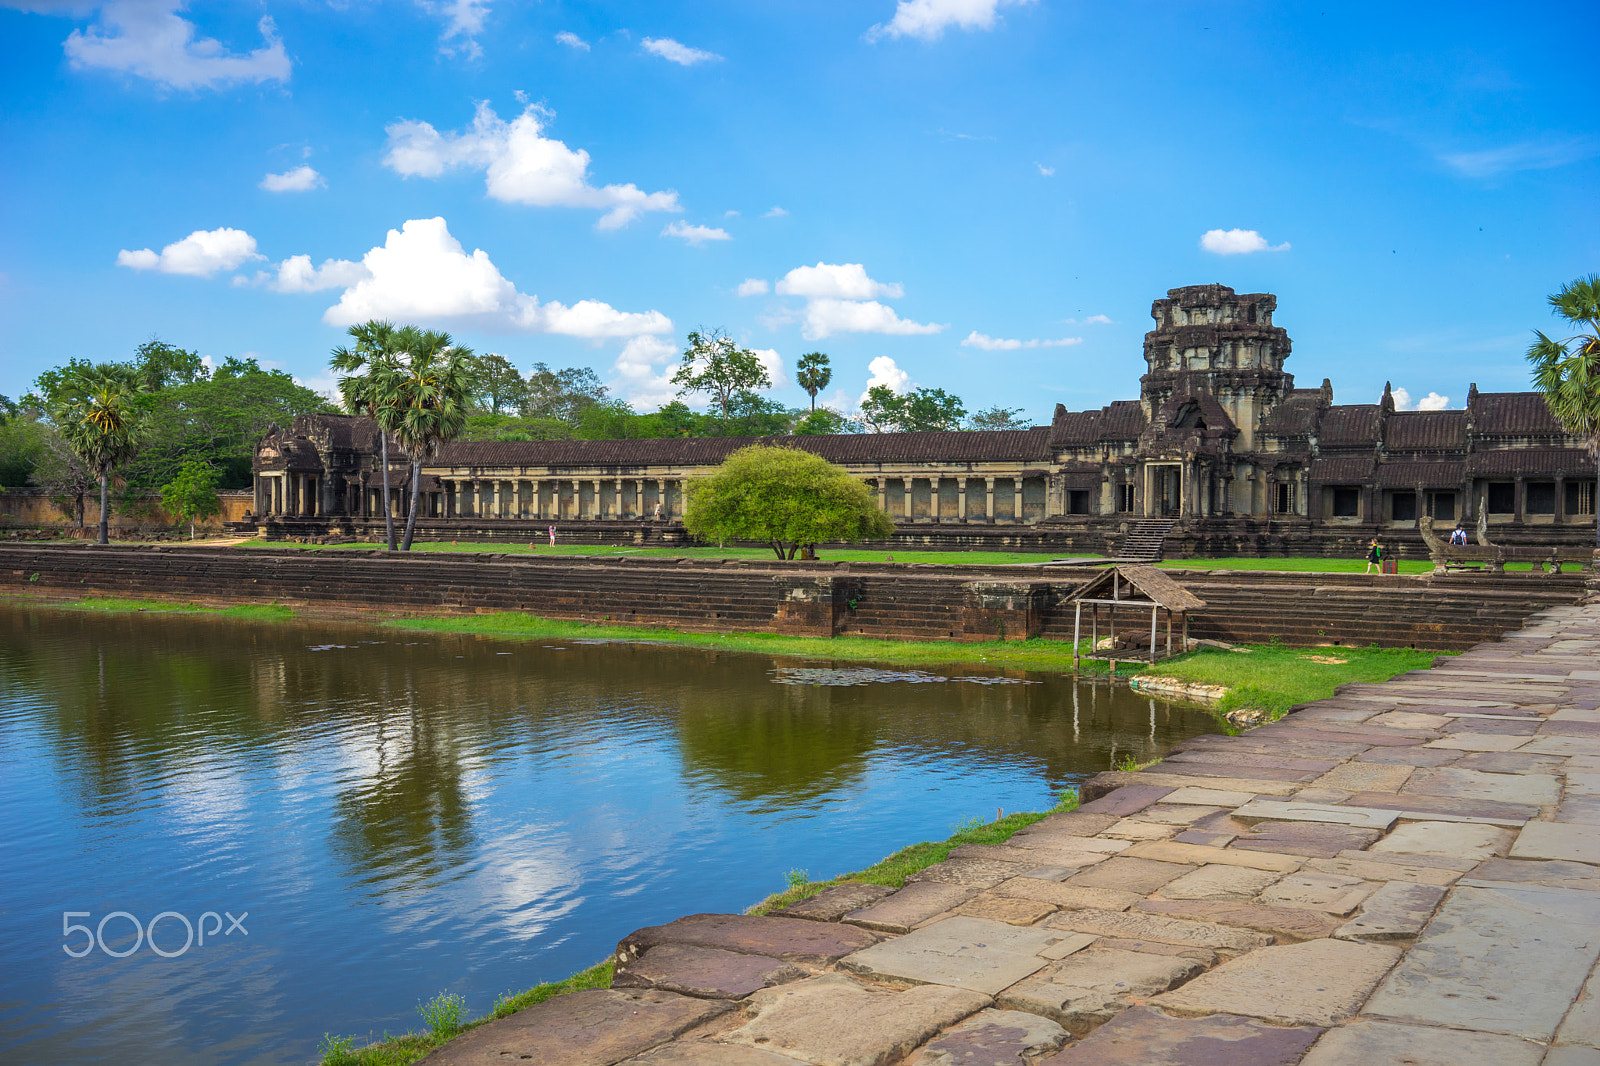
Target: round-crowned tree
(783,497)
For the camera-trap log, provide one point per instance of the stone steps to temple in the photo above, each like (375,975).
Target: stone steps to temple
(1143,542)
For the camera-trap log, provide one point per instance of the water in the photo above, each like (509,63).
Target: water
(402,814)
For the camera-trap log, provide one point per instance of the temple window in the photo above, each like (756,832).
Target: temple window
(1285,503)
(1346,502)
(1077,501)
(1580,498)
(1403,507)
(1541,498)
(1502,497)
(1125,498)
(1442,506)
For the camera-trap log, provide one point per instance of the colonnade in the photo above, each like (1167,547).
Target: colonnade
(968,490)
(563,498)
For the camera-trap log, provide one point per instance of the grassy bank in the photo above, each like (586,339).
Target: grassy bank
(1275,677)
(443,1012)
(261,612)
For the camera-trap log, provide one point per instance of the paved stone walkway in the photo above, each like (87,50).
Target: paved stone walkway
(1407,873)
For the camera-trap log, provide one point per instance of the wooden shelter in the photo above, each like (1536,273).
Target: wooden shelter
(1130,587)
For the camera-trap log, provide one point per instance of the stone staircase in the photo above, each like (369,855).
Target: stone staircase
(1143,542)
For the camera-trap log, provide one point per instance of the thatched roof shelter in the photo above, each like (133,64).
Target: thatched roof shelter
(1131,587)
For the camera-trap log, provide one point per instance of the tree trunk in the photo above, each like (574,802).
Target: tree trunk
(777,546)
(105,526)
(416,493)
(388,509)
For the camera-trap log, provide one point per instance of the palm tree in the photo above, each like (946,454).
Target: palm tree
(813,374)
(377,348)
(429,390)
(102,419)
(1567,371)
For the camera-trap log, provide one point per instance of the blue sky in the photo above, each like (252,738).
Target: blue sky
(930,191)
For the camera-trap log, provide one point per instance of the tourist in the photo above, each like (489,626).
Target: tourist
(658,510)
(1459,536)
(1374,556)
(552,535)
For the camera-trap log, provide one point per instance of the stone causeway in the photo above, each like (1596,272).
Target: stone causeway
(1405,873)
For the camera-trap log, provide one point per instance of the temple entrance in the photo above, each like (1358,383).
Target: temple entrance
(1163,490)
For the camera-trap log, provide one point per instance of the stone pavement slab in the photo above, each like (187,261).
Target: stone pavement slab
(1209,797)
(1479,742)
(1006,909)
(1059,894)
(831,904)
(1130,797)
(790,939)
(1578,876)
(1147,1037)
(1244,758)
(1175,813)
(1396,911)
(972,873)
(709,1053)
(994,1038)
(1452,839)
(1370,1043)
(1218,883)
(1534,790)
(710,973)
(1078,822)
(1226,770)
(1571,1056)
(597,1027)
(1498,961)
(1412,806)
(1558,840)
(1511,762)
(1562,746)
(1335,894)
(1118,779)
(1319,982)
(1287,923)
(1584,809)
(1384,871)
(961,952)
(1085,989)
(1582,1023)
(1138,926)
(1140,876)
(834,1020)
(911,906)
(1133,829)
(1365,777)
(1036,856)
(1409,756)
(1312,839)
(1199,855)
(1292,811)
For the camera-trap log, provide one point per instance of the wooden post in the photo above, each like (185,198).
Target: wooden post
(1152,631)
(1077,627)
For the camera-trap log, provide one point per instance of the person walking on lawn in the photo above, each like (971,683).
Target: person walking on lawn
(1374,556)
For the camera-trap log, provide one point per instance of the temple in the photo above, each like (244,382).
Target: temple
(1220,454)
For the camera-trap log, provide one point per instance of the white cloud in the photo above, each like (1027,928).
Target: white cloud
(200,254)
(521,165)
(422,273)
(998,344)
(730,214)
(644,371)
(846,281)
(463,21)
(1431,402)
(300,179)
(682,54)
(774,212)
(772,362)
(572,40)
(1526,155)
(1237,242)
(1098,320)
(928,19)
(825,317)
(883,371)
(696,235)
(147,39)
(1044,171)
(296,274)
(752,287)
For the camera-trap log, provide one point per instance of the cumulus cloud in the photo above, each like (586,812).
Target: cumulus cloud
(300,179)
(846,281)
(671,50)
(999,344)
(572,40)
(772,362)
(643,371)
(774,212)
(422,273)
(1431,402)
(883,371)
(696,235)
(825,317)
(296,274)
(463,22)
(520,163)
(1237,242)
(928,19)
(148,39)
(752,287)
(200,254)
(1096,320)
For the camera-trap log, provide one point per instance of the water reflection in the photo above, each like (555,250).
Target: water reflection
(402,814)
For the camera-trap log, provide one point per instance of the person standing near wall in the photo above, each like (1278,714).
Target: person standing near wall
(552,535)
(1374,556)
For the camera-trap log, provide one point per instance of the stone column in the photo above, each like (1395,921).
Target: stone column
(907,483)
(1520,495)
(616,502)
(599,501)
(883,494)
(988,498)
(1561,501)
(961,499)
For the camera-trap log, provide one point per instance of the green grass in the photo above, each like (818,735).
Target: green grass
(1049,655)
(261,612)
(541,547)
(1296,564)
(1275,677)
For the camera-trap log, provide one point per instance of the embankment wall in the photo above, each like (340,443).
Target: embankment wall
(813,599)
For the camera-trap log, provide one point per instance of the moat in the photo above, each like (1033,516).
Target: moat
(404,814)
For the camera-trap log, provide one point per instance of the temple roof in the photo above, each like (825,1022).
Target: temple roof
(1546,462)
(1512,414)
(1122,420)
(1349,424)
(1426,430)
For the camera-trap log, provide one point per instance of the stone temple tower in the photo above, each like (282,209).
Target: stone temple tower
(1210,339)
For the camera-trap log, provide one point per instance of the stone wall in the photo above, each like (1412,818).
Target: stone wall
(36,509)
(814,599)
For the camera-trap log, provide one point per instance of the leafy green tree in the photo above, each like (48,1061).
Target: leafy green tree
(563,394)
(63,476)
(823,420)
(785,498)
(430,387)
(24,441)
(164,366)
(886,411)
(813,374)
(376,351)
(100,413)
(500,388)
(191,496)
(999,418)
(1567,371)
(713,364)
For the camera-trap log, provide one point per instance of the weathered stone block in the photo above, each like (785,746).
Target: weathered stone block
(1290,923)
(1336,894)
(1313,839)
(1319,982)
(1199,855)
(1139,876)
(710,973)
(911,906)
(1146,1037)
(1456,840)
(1396,911)
(1373,1043)
(971,953)
(1219,883)
(1573,841)
(994,1038)
(834,903)
(1140,926)
(790,939)
(1059,894)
